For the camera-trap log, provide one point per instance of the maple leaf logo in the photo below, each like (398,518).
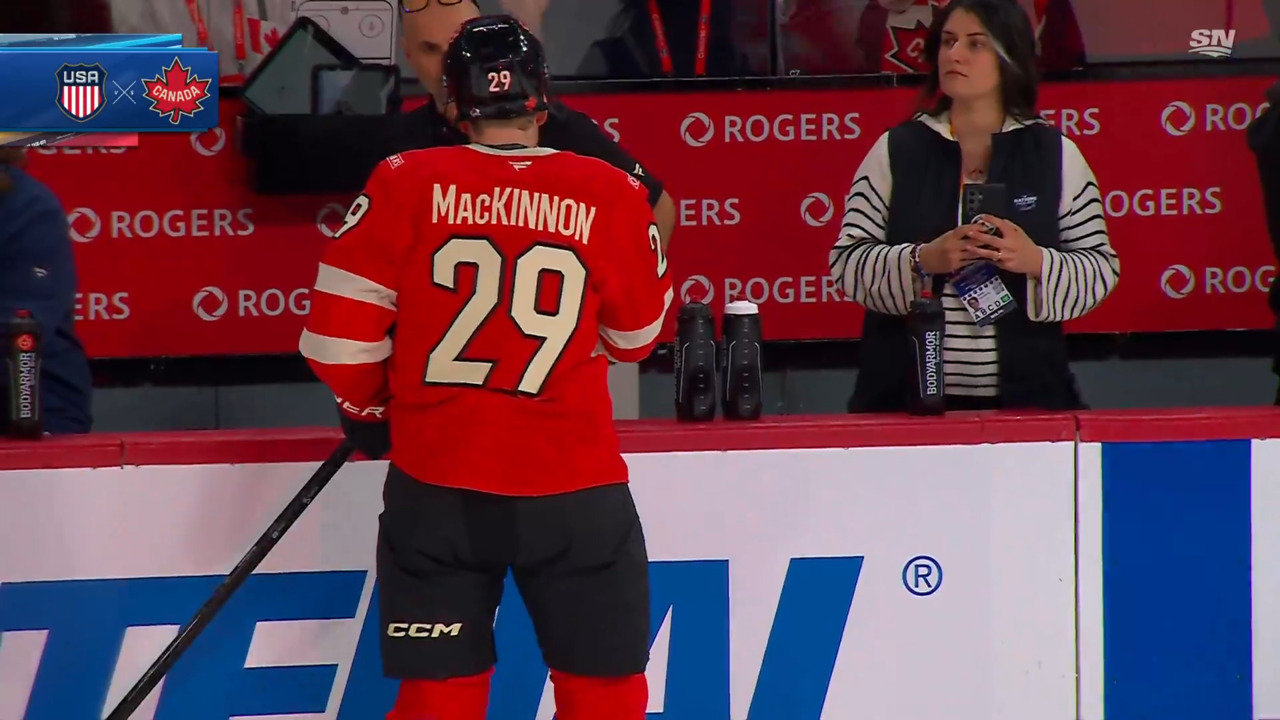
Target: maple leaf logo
(907,52)
(176,92)
(272,37)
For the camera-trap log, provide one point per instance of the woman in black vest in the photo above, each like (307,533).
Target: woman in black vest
(900,232)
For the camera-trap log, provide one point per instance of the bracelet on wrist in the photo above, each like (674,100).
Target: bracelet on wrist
(916,267)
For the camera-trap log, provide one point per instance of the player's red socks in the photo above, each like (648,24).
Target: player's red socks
(577,698)
(590,698)
(464,698)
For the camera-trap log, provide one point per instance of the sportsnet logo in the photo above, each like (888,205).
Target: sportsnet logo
(1213,43)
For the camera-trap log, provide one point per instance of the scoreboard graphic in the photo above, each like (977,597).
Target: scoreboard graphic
(59,88)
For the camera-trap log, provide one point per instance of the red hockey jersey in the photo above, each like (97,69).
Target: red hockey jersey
(474,297)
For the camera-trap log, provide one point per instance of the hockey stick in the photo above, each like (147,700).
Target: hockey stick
(234,580)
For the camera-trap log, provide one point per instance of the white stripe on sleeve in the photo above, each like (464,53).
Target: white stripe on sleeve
(632,339)
(340,351)
(868,271)
(337,281)
(1078,276)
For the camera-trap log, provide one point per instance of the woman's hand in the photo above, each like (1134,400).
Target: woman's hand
(948,252)
(1014,251)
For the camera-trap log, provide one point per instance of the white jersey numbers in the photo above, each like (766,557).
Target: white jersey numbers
(554,329)
(358,208)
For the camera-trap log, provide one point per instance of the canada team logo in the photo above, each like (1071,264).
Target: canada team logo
(907,29)
(82,90)
(177,92)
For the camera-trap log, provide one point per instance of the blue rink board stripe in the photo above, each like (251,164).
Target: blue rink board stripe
(1177,603)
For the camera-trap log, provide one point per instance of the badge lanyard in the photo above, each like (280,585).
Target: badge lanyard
(664,48)
(964,180)
(202,30)
(237,21)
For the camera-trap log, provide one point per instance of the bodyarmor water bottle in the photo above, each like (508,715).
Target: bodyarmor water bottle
(22,361)
(743,377)
(695,359)
(926,324)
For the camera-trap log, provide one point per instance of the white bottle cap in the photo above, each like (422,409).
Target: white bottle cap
(741,307)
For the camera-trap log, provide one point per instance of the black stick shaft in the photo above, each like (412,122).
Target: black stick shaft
(141,689)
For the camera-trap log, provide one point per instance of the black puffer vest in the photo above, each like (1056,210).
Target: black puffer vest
(1027,159)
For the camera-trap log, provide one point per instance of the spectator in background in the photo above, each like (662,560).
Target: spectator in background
(38,274)
(55,16)
(1264,140)
(889,35)
(900,235)
(1145,30)
(815,37)
(1258,24)
(336,153)
(1058,37)
(664,38)
(892,35)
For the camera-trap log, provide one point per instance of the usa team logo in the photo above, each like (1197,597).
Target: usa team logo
(82,90)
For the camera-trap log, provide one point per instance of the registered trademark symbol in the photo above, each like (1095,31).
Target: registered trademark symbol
(922,576)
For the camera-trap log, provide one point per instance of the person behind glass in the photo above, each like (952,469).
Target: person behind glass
(669,38)
(337,152)
(38,275)
(900,230)
(1264,140)
(889,35)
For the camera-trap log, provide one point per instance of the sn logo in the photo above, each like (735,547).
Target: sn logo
(1214,43)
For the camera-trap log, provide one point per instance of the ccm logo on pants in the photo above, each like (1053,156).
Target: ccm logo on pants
(422,630)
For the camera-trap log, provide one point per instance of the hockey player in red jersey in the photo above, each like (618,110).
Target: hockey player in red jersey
(469,307)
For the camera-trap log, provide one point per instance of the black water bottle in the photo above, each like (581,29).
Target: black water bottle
(743,377)
(22,361)
(926,324)
(695,359)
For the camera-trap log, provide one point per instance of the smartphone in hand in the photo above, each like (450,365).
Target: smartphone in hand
(977,199)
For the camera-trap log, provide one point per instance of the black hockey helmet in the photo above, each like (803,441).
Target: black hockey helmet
(495,69)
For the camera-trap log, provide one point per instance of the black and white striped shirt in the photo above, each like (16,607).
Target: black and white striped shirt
(1074,279)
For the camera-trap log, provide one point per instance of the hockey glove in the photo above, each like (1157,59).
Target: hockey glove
(372,438)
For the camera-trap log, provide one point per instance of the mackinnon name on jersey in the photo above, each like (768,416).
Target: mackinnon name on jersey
(537,211)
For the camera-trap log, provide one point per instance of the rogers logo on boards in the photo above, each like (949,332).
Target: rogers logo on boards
(1164,201)
(803,289)
(697,288)
(817,209)
(1072,122)
(1178,281)
(1180,118)
(85,224)
(102,306)
(211,303)
(694,212)
(209,142)
(699,129)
